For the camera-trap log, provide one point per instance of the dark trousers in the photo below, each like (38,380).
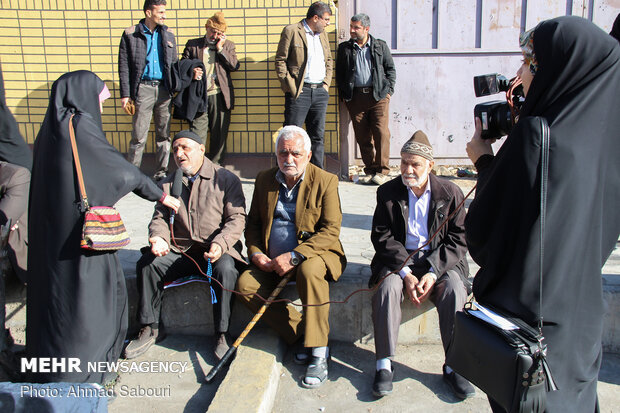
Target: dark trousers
(370,123)
(449,295)
(310,107)
(153,272)
(215,120)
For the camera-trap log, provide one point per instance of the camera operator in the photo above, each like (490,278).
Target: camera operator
(571,77)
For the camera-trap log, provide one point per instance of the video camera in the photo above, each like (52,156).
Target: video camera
(498,116)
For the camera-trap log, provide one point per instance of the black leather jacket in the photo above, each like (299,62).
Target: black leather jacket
(383,70)
(389,230)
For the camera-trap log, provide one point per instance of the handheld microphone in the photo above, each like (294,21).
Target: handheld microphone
(175,192)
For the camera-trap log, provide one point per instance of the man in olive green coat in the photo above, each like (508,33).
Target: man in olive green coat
(294,225)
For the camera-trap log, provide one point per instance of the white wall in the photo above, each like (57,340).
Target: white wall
(438,46)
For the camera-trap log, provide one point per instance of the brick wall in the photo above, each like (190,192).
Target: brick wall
(42,39)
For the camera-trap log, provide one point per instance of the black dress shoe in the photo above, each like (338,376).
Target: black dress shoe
(459,384)
(382,385)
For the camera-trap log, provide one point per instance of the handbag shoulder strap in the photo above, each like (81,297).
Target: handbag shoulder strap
(78,167)
(544,175)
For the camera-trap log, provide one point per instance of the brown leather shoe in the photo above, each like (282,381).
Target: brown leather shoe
(222,345)
(146,338)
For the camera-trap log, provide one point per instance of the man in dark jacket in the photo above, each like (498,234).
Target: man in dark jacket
(220,58)
(208,226)
(366,76)
(146,54)
(410,209)
(14,185)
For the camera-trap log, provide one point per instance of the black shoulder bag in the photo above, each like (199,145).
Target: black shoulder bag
(506,358)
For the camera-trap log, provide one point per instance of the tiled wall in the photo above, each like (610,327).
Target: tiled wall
(42,39)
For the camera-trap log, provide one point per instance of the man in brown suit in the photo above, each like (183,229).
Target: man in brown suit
(304,66)
(207,226)
(220,59)
(294,225)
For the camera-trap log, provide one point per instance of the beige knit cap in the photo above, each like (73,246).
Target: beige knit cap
(217,22)
(418,144)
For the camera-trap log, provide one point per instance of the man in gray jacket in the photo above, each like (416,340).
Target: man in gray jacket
(145,57)
(207,226)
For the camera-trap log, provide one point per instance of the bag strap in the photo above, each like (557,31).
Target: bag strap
(544,175)
(78,167)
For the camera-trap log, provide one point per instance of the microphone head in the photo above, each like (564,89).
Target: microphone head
(177,184)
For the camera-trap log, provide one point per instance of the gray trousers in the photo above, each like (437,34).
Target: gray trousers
(152,101)
(449,295)
(217,120)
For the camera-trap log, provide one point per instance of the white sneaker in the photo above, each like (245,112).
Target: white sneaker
(380,179)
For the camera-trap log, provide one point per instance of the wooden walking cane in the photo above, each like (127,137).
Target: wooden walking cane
(249,327)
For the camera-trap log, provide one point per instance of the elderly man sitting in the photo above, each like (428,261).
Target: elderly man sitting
(410,209)
(294,225)
(208,226)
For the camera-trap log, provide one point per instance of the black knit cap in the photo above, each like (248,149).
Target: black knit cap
(187,134)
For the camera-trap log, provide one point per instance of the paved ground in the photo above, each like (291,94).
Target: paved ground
(418,384)
(184,391)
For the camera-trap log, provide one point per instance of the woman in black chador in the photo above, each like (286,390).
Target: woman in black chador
(571,76)
(77,302)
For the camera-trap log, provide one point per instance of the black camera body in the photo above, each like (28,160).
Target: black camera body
(498,116)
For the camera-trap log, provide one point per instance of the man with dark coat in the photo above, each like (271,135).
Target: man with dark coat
(220,59)
(207,226)
(410,209)
(366,75)
(145,57)
(14,187)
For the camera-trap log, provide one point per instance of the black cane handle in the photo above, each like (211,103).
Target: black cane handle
(216,369)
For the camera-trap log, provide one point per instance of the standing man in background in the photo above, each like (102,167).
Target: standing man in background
(366,76)
(220,59)
(146,54)
(304,66)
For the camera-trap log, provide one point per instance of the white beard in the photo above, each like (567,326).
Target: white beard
(413,181)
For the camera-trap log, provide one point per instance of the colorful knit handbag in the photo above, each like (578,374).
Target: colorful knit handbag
(103,228)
